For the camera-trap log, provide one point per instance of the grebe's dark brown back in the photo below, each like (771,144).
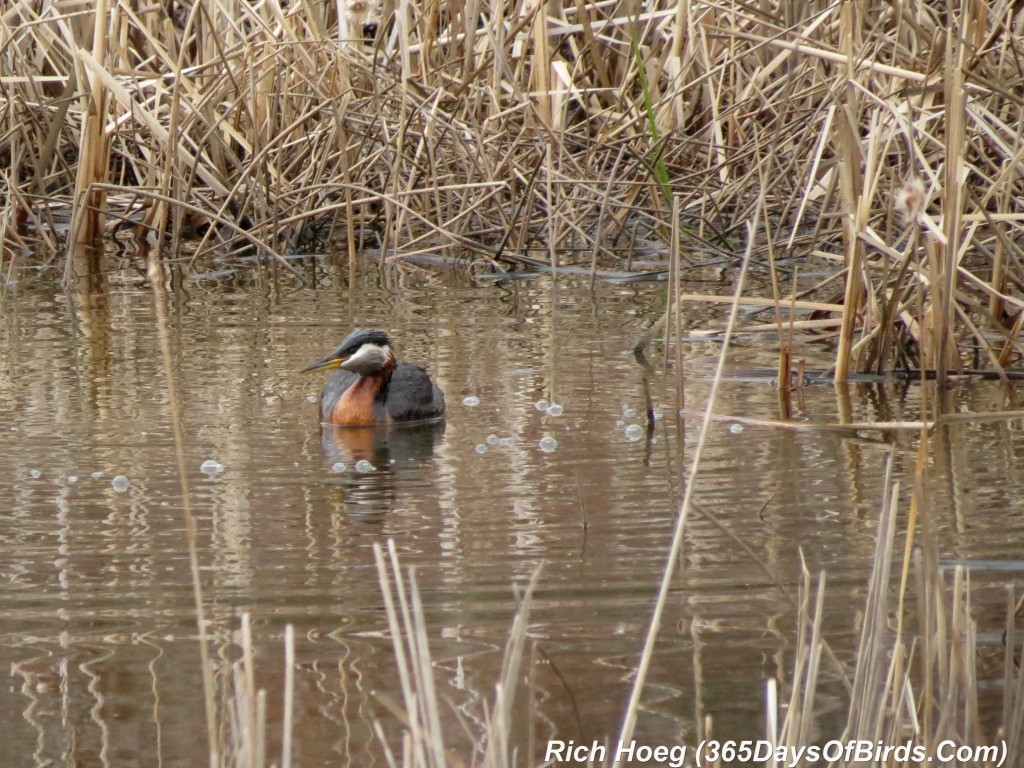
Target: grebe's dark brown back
(370,387)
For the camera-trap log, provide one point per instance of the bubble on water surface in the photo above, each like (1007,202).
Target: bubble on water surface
(548,444)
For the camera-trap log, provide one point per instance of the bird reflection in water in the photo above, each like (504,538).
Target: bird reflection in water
(398,457)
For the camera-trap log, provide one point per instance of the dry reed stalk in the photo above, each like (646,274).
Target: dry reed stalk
(868,697)
(1013,695)
(675,549)
(243,742)
(796,728)
(850,161)
(289,696)
(155,273)
(675,303)
(94,147)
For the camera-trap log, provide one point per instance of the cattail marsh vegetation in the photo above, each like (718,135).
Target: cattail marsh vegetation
(863,159)
(882,142)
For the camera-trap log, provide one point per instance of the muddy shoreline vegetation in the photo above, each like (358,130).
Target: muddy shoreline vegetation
(864,156)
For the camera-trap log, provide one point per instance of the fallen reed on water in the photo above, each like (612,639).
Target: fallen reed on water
(882,139)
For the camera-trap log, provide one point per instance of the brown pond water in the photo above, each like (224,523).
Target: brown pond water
(98,641)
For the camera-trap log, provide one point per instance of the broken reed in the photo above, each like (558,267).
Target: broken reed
(518,126)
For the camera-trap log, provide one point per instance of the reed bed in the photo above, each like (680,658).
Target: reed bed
(884,140)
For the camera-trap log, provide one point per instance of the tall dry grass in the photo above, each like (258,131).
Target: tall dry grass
(240,740)
(525,133)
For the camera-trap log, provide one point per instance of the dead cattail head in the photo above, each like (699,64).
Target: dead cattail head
(910,200)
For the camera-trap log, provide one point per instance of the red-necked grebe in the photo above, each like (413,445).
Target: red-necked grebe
(371,387)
